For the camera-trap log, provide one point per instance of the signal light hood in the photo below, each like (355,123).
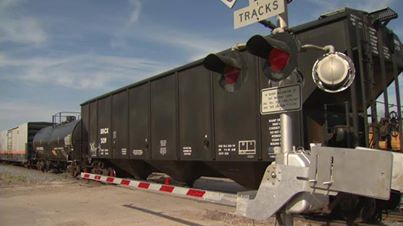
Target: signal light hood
(261,46)
(231,68)
(216,63)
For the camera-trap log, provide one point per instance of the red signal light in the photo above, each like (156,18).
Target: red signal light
(229,67)
(231,75)
(278,59)
(279,53)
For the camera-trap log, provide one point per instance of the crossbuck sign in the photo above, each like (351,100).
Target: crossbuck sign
(229,3)
(258,10)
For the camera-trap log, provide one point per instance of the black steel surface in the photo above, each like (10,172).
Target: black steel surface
(164,119)
(196,141)
(139,122)
(55,142)
(120,125)
(104,117)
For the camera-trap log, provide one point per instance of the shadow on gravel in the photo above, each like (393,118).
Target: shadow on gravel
(185,222)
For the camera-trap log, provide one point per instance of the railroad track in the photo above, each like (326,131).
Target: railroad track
(394,217)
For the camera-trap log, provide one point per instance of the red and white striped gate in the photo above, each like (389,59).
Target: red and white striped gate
(203,195)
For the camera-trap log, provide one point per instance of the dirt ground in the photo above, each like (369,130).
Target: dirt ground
(29,197)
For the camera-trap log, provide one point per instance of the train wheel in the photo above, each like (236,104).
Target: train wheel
(105,172)
(48,166)
(78,171)
(111,172)
(41,166)
(75,170)
(369,211)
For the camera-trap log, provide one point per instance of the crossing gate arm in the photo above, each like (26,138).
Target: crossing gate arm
(193,193)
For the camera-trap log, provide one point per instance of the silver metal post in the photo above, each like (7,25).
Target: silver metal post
(286,132)
(285,118)
(282,20)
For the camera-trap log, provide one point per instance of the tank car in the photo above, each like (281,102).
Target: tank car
(59,145)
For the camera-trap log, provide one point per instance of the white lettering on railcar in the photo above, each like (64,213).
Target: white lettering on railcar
(137,152)
(247,147)
(187,151)
(104,131)
(163,147)
(104,140)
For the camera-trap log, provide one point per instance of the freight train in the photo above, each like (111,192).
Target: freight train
(44,145)
(303,103)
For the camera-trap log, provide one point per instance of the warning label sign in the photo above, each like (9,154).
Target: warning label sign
(281,99)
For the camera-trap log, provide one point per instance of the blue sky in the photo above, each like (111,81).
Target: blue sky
(56,54)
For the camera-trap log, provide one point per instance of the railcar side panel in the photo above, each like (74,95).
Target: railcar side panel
(164,118)
(85,127)
(120,112)
(196,141)
(104,118)
(236,116)
(93,129)
(139,122)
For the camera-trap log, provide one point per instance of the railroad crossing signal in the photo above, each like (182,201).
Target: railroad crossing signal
(229,67)
(279,51)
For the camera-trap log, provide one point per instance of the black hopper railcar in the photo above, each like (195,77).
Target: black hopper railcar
(228,115)
(190,122)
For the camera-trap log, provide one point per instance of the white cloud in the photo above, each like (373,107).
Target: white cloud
(17,28)
(119,39)
(4,4)
(79,72)
(23,30)
(14,112)
(136,7)
(371,5)
(195,44)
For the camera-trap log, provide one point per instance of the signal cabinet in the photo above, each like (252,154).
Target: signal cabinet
(184,114)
